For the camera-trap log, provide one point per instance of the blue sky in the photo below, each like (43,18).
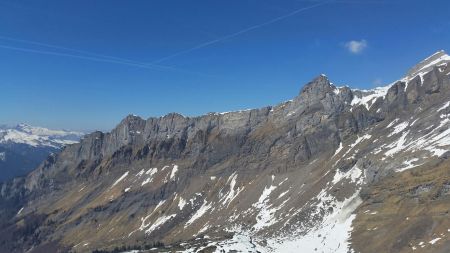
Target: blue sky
(86,64)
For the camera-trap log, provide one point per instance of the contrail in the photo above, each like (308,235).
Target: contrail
(93,56)
(29,50)
(232,35)
(145,66)
(69,49)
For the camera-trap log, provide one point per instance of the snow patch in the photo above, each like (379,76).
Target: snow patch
(392,123)
(331,236)
(159,222)
(397,146)
(444,106)
(140,173)
(181,203)
(357,141)
(120,179)
(232,193)
(408,165)
(150,174)
(199,213)
(434,240)
(265,216)
(338,149)
(354,174)
(369,97)
(144,219)
(174,171)
(399,128)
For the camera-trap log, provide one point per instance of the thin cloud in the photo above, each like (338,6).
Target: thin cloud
(356,46)
(377,82)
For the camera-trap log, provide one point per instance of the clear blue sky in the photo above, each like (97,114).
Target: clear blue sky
(235,54)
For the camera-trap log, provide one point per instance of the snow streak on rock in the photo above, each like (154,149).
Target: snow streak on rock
(199,213)
(120,178)
(265,216)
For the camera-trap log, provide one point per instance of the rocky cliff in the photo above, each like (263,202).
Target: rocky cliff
(324,172)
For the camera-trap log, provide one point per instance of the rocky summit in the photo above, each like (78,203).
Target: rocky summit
(333,170)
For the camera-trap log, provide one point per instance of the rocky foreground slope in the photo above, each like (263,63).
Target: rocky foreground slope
(333,170)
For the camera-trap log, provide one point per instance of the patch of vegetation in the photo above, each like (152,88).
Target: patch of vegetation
(124,248)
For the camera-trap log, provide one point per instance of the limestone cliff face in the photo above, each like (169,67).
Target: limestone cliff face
(277,178)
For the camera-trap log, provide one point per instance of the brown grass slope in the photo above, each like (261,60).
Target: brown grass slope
(405,211)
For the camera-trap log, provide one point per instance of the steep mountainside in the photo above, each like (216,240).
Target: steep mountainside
(23,147)
(333,170)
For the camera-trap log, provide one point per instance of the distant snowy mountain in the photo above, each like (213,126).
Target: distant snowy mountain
(38,136)
(24,147)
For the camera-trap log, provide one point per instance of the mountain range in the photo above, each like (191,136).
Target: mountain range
(24,147)
(335,169)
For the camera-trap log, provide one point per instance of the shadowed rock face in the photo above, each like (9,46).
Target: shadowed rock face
(276,179)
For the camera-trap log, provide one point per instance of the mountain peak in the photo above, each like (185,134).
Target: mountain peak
(22,125)
(131,119)
(426,65)
(319,85)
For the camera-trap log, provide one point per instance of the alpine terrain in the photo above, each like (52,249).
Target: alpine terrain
(24,147)
(335,169)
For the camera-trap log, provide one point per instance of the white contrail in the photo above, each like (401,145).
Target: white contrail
(70,49)
(232,35)
(94,57)
(29,50)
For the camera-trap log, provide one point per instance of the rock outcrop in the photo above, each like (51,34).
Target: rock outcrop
(298,175)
